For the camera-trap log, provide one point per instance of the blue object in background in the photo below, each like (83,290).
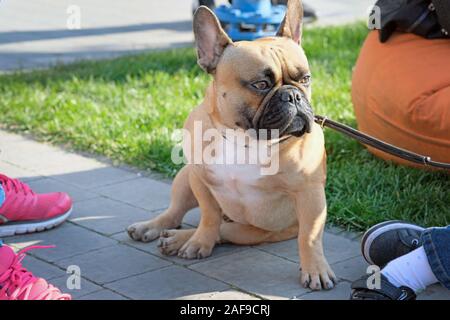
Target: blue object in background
(250,19)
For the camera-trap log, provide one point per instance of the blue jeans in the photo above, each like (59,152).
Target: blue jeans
(436,242)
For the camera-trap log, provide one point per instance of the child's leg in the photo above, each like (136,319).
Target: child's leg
(411,270)
(436,242)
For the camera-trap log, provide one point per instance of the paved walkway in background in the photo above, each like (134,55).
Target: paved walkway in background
(34,33)
(107,199)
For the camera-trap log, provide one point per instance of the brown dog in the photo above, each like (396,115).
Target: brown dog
(264,84)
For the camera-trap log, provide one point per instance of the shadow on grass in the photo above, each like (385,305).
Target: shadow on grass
(121,69)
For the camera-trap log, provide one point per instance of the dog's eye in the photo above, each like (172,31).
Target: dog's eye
(306,80)
(261,85)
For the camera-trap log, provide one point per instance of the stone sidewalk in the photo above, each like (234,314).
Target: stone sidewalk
(35,33)
(107,199)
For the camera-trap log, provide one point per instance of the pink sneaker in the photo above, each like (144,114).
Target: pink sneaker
(16,283)
(24,211)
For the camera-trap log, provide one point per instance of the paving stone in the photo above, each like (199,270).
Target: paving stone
(336,248)
(17,172)
(60,164)
(97,177)
(103,295)
(108,216)
(113,263)
(255,271)
(435,292)
(220,295)
(123,237)
(42,269)
(50,185)
(339,249)
(7,138)
(86,286)
(192,218)
(22,153)
(45,159)
(286,249)
(107,30)
(169,283)
(350,269)
(64,166)
(70,240)
(219,250)
(340,292)
(142,192)
(333,229)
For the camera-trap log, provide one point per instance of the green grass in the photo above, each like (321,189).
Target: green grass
(126,109)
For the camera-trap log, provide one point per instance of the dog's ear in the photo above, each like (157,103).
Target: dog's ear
(211,40)
(291,26)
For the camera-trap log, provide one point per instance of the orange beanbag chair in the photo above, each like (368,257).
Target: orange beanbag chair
(401,94)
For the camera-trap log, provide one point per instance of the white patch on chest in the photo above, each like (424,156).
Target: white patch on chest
(237,180)
(235,162)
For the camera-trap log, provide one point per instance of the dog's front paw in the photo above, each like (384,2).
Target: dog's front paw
(170,241)
(317,275)
(144,231)
(195,249)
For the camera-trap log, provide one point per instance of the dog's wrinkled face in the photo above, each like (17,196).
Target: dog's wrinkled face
(263,84)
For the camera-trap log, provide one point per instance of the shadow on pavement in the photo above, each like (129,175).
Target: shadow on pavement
(23,36)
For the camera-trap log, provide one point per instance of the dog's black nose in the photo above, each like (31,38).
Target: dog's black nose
(287,96)
(290,94)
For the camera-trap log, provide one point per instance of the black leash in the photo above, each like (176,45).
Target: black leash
(380,145)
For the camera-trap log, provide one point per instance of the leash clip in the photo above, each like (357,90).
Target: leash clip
(322,123)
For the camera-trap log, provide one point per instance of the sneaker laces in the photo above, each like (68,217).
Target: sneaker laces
(18,282)
(15,185)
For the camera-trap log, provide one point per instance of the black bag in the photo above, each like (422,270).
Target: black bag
(427,18)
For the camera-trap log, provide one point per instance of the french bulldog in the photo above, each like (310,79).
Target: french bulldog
(261,84)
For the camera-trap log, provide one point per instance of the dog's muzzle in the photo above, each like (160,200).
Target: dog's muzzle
(288,111)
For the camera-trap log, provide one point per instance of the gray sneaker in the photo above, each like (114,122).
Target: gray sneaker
(389,240)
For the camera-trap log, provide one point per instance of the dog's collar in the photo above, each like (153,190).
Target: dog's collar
(221,130)
(279,141)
